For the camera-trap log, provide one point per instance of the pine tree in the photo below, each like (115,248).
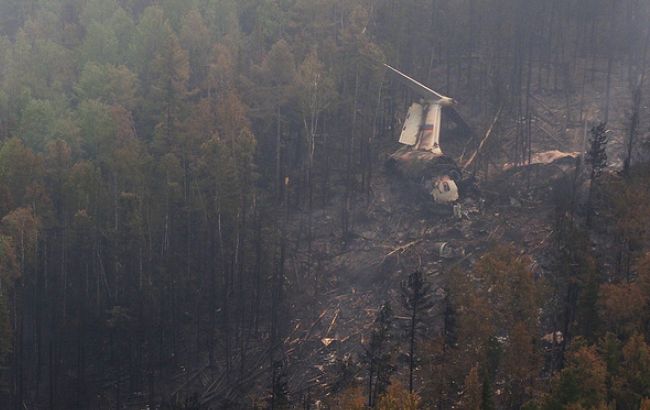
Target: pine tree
(633,381)
(378,354)
(521,365)
(621,307)
(398,398)
(415,298)
(169,89)
(196,39)
(109,84)
(582,382)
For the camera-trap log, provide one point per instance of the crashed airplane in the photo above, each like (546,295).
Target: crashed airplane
(421,159)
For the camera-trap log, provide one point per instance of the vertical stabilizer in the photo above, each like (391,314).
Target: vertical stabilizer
(430,137)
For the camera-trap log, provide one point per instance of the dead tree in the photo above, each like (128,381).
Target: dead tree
(597,159)
(279,388)
(634,126)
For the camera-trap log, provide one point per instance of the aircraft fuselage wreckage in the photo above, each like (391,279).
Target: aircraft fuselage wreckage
(421,159)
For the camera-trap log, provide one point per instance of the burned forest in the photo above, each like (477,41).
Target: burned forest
(324,204)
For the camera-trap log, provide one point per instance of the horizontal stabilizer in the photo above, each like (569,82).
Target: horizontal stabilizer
(420,88)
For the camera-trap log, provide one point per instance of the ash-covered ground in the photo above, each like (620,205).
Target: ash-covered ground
(396,234)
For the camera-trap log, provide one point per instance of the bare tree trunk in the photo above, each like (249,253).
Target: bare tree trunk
(412,344)
(349,155)
(278,153)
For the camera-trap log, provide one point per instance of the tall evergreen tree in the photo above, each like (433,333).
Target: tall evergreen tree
(378,354)
(416,300)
